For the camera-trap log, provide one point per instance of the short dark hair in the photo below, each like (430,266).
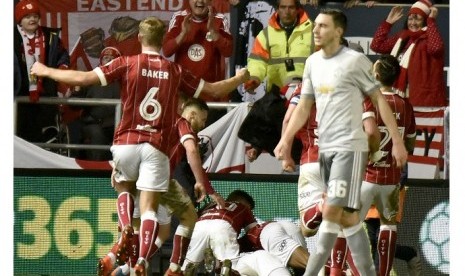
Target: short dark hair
(388,69)
(297,4)
(339,18)
(196,102)
(238,195)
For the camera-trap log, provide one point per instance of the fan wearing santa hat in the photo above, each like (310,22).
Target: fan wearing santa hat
(419,48)
(33,42)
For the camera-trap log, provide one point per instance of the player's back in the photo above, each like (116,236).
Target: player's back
(235,213)
(149,96)
(183,131)
(384,171)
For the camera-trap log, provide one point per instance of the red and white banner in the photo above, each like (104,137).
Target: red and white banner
(30,156)
(427,159)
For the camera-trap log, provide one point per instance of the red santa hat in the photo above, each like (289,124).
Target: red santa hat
(109,51)
(26,7)
(421,8)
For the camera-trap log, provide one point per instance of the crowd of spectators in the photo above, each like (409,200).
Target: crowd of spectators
(208,30)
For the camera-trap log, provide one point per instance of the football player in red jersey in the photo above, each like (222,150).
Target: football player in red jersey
(176,202)
(141,144)
(381,184)
(216,231)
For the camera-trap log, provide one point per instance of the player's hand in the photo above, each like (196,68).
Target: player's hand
(395,14)
(220,202)
(399,154)
(288,165)
(252,154)
(38,69)
(282,151)
(199,191)
(243,74)
(251,85)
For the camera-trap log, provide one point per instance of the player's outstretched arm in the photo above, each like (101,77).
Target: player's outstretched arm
(222,88)
(71,77)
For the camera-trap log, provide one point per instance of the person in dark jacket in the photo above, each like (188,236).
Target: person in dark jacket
(33,42)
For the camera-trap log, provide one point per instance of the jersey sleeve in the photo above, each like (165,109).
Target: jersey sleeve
(363,75)
(191,85)
(369,110)
(307,86)
(169,46)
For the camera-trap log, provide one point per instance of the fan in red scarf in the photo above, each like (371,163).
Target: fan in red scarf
(37,43)
(419,48)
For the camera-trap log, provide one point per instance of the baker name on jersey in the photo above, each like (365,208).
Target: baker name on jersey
(155,74)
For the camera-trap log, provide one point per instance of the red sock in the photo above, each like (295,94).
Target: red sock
(114,248)
(134,255)
(147,235)
(180,245)
(125,208)
(386,250)
(338,256)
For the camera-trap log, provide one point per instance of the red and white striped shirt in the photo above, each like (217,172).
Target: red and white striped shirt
(235,213)
(178,151)
(149,95)
(383,171)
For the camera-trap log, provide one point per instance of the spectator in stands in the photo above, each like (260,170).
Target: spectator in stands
(142,140)
(419,48)
(280,50)
(97,123)
(221,6)
(200,40)
(33,42)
